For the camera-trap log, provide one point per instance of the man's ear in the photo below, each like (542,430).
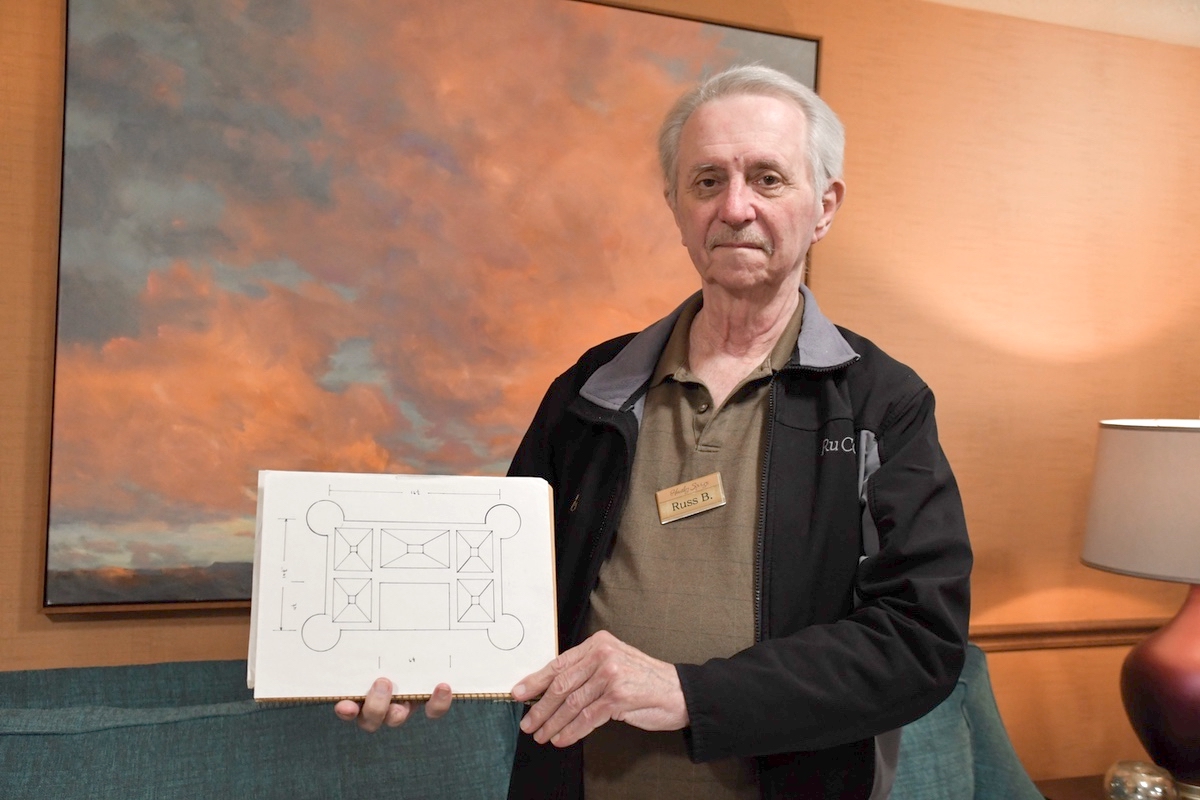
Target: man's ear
(831,201)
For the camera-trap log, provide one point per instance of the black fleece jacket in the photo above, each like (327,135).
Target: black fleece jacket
(863,561)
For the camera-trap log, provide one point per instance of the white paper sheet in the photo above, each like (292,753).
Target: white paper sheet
(422,579)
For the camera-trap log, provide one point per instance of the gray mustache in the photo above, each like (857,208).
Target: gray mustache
(731,236)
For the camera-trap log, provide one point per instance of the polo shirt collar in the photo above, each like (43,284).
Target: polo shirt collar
(622,382)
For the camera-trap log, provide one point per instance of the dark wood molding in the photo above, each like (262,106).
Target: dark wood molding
(199,608)
(1059,635)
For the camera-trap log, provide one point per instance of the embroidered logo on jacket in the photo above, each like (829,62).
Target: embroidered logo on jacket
(843,445)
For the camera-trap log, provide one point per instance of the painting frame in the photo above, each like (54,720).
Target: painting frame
(163,586)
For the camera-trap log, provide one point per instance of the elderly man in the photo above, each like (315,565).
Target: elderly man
(761,553)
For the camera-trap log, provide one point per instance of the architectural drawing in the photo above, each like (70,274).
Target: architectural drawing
(414,585)
(402,573)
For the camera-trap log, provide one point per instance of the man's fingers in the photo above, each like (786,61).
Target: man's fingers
(439,702)
(376,705)
(378,708)
(534,685)
(579,713)
(397,714)
(347,710)
(581,678)
(575,673)
(599,680)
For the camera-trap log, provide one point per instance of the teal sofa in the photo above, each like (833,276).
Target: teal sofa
(191,730)
(960,750)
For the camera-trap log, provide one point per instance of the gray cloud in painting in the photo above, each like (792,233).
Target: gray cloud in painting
(162,133)
(252,280)
(94,309)
(354,362)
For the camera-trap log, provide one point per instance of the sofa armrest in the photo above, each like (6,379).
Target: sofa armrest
(960,750)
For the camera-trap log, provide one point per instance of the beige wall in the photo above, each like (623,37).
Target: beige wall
(1016,228)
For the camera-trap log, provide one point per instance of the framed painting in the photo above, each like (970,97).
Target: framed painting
(357,237)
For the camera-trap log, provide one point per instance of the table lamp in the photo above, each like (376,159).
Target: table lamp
(1144,521)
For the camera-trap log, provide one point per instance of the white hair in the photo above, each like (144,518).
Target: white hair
(826,137)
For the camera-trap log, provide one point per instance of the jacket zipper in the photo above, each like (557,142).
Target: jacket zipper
(604,535)
(761,534)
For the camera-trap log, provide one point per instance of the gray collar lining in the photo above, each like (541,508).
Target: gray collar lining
(820,346)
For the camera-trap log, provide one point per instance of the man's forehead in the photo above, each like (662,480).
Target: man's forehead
(749,128)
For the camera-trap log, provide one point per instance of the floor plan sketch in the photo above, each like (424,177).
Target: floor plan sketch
(422,579)
(415,583)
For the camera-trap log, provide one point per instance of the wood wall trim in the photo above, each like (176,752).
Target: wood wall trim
(1058,635)
(148,610)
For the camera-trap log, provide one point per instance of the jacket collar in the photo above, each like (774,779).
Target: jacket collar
(621,384)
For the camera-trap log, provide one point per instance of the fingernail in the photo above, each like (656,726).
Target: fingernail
(380,687)
(519,691)
(526,725)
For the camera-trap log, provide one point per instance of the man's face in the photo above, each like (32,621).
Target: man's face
(745,203)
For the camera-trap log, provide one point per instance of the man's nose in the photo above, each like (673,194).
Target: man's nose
(737,206)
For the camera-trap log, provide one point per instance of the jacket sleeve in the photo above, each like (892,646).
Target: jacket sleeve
(891,658)
(534,455)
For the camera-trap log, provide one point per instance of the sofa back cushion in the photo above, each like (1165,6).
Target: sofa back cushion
(192,730)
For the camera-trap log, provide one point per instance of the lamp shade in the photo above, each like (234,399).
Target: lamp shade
(1144,517)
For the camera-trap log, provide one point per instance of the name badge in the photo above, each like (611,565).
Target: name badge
(692,497)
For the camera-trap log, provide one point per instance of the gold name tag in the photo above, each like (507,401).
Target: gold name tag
(692,497)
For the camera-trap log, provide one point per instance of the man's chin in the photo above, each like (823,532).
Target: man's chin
(743,261)
(738,278)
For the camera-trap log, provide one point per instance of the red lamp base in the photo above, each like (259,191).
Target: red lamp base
(1160,685)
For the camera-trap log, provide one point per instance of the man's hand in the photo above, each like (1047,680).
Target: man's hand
(599,680)
(377,708)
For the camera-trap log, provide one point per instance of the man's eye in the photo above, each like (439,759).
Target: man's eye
(771,180)
(707,183)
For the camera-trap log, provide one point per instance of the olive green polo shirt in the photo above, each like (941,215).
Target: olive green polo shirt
(683,591)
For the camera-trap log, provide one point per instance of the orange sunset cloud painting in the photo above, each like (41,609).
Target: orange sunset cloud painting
(355,236)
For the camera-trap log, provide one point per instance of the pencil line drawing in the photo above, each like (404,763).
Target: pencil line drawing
(397,575)
(353,549)
(363,575)
(415,549)
(475,551)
